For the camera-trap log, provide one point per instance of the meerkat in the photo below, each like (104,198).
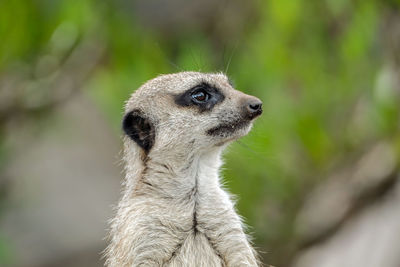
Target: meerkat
(174,211)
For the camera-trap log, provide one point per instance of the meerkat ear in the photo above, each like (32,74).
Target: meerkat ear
(139,129)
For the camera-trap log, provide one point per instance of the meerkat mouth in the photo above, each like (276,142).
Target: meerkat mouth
(225,129)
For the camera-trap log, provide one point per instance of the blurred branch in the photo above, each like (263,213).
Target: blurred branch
(345,193)
(22,95)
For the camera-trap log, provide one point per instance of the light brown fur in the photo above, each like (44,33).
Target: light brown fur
(174,211)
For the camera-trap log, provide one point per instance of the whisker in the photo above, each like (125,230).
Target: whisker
(168,60)
(194,59)
(231,56)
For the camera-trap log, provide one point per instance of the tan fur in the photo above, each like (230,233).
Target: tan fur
(174,211)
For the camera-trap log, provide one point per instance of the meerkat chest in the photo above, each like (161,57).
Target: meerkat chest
(201,245)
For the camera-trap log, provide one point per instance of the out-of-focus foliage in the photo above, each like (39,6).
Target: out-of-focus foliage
(320,68)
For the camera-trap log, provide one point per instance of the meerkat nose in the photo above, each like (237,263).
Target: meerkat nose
(254,107)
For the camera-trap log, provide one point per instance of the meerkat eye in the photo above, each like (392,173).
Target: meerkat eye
(203,96)
(200,96)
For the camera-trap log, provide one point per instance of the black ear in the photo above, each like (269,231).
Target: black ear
(139,129)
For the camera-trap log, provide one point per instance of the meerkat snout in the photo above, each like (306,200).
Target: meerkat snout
(254,107)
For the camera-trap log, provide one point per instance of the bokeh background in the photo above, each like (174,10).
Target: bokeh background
(318,177)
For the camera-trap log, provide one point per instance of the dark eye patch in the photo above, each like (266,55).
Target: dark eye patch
(188,98)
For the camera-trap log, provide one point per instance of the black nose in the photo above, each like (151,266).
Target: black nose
(254,108)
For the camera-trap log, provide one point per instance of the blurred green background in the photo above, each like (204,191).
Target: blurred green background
(327,72)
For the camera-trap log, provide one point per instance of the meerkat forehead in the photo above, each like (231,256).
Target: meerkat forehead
(183,80)
(176,83)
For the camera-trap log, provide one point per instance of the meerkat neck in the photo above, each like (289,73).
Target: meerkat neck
(174,178)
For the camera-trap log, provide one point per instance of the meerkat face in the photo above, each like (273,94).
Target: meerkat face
(190,110)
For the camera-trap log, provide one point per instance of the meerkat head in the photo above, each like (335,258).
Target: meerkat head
(188,111)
